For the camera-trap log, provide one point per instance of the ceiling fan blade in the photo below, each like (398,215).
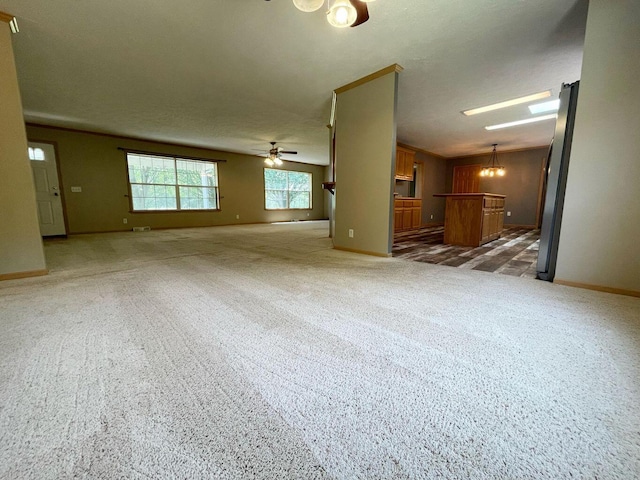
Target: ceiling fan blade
(363,12)
(289,152)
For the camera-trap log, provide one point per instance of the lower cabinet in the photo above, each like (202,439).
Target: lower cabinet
(472,219)
(407,214)
(492,219)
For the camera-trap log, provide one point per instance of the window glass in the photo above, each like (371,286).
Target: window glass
(287,189)
(169,183)
(36,154)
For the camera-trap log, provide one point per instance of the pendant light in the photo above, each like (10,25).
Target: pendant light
(308,5)
(341,13)
(493,168)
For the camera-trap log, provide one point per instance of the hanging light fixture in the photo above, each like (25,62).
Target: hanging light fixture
(308,5)
(493,168)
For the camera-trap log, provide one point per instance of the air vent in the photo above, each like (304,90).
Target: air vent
(141,229)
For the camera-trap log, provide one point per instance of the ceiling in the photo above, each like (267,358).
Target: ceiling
(234,75)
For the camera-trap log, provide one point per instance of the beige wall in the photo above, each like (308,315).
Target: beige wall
(93,162)
(600,233)
(434,176)
(365,162)
(20,241)
(521,184)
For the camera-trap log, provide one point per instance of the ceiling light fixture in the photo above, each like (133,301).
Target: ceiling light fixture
(508,103)
(308,5)
(550,106)
(522,122)
(340,13)
(494,168)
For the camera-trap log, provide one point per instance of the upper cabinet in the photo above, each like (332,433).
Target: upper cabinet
(404,163)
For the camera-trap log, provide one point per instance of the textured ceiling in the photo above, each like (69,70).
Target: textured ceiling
(236,74)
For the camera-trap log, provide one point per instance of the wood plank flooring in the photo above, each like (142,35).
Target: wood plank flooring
(514,253)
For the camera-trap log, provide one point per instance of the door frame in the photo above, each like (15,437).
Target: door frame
(54,144)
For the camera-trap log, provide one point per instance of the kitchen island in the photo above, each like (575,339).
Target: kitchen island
(472,219)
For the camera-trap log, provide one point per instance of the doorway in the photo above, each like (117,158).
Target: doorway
(46,180)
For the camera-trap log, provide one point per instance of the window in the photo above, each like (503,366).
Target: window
(36,154)
(284,189)
(172,183)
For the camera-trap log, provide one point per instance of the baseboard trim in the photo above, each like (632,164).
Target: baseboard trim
(432,224)
(363,252)
(599,288)
(515,225)
(17,275)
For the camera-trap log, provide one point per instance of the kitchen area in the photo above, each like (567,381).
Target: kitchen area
(446,212)
(407,208)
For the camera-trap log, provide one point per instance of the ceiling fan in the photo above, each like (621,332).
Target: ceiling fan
(340,13)
(275,153)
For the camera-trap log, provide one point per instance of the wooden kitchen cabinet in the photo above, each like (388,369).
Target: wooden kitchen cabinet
(407,214)
(404,163)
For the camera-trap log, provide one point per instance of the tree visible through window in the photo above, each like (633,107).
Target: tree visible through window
(170,183)
(285,189)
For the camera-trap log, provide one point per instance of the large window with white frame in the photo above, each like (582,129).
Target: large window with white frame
(165,183)
(287,190)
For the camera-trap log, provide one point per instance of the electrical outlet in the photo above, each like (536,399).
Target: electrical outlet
(508,214)
(351,233)
(432,216)
(125,221)
(237,217)
(307,214)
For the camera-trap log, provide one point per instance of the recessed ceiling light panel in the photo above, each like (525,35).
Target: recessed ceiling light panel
(522,122)
(550,106)
(508,103)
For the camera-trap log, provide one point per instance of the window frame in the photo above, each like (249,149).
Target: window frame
(176,186)
(264,180)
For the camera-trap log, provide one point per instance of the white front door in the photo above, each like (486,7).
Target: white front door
(45,179)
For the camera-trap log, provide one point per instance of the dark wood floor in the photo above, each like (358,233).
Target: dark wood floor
(514,253)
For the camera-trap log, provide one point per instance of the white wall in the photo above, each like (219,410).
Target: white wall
(600,233)
(365,162)
(21,249)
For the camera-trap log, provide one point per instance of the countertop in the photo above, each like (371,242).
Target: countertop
(469,195)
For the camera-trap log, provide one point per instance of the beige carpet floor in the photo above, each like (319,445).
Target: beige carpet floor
(260,352)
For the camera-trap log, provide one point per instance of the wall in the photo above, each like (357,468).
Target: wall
(21,251)
(601,222)
(521,183)
(434,174)
(93,162)
(365,163)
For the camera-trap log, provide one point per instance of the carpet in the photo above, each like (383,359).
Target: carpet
(260,352)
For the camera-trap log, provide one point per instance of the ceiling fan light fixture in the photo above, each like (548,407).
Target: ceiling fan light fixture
(341,13)
(269,162)
(277,161)
(308,5)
